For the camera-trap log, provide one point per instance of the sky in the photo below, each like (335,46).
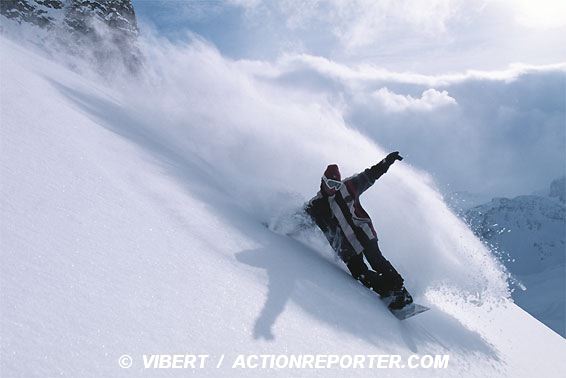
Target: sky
(473,92)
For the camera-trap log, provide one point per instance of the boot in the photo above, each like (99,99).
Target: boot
(397,299)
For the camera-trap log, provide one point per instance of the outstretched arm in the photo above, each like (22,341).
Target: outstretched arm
(362,181)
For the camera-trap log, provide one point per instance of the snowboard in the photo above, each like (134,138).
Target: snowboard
(409,311)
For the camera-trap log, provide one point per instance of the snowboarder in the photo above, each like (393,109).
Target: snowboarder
(337,211)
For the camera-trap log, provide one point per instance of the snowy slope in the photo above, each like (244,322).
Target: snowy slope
(131,222)
(529,234)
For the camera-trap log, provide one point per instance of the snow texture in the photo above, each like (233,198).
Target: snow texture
(132,222)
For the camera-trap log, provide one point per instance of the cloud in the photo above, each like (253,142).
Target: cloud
(436,36)
(504,138)
(541,14)
(373,73)
(439,83)
(360,23)
(429,100)
(476,130)
(244,3)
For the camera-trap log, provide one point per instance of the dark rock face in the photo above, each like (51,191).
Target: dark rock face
(82,15)
(78,15)
(37,12)
(106,29)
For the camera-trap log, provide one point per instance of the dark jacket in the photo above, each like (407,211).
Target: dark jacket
(341,217)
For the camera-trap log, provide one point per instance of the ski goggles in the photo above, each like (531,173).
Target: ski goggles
(332,184)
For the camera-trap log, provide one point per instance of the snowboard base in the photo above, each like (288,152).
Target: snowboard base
(409,311)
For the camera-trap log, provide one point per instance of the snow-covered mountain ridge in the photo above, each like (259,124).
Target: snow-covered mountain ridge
(103,32)
(76,15)
(528,233)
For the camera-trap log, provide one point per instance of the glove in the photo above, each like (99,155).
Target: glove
(390,159)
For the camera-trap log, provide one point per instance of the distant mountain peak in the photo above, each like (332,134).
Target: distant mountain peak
(107,28)
(118,15)
(37,12)
(528,235)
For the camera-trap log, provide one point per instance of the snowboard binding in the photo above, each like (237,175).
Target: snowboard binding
(397,299)
(401,304)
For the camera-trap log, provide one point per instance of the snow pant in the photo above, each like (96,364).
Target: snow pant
(383,278)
